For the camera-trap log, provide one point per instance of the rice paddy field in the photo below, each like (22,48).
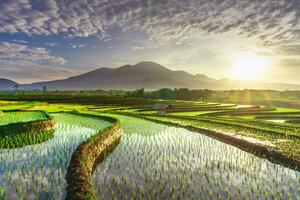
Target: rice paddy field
(157,157)
(156,161)
(38,171)
(22,116)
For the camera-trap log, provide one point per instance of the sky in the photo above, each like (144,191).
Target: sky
(54,39)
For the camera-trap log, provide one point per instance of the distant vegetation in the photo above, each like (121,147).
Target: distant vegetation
(261,97)
(290,99)
(172,94)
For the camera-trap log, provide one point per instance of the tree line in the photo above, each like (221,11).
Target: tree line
(169,94)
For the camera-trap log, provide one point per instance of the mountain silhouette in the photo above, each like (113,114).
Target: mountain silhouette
(148,75)
(6,84)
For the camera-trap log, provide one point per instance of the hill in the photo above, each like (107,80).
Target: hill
(150,75)
(6,84)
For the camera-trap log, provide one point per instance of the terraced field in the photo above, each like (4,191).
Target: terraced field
(265,126)
(38,171)
(156,161)
(21,116)
(21,128)
(176,153)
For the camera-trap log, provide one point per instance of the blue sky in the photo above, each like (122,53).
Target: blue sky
(54,39)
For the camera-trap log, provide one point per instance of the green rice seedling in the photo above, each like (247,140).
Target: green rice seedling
(21,116)
(38,171)
(2,193)
(176,161)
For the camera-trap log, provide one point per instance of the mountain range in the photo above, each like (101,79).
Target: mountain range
(6,84)
(146,74)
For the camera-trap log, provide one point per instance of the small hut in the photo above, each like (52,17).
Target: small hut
(162,108)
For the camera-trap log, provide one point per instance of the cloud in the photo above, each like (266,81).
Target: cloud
(138,48)
(292,50)
(14,51)
(27,71)
(269,21)
(26,64)
(293,62)
(74,46)
(211,24)
(52,44)
(20,41)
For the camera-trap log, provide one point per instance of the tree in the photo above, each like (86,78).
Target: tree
(16,88)
(165,93)
(182,94)
(140,92)
(44,89)
(207,94)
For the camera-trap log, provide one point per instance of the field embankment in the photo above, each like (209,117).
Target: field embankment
(86,157)
(22,128)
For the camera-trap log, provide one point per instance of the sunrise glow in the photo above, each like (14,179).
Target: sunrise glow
(249,66)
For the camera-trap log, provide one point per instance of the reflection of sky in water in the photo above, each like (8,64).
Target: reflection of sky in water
(158,162)
(39,170)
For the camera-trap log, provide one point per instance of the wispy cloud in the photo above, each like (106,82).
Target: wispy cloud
(293,50)
(14,51)
(27,71)
(23,63)
(52,44)
(20,41)
(75,46)
(138,48)
(270,21)
(176,29)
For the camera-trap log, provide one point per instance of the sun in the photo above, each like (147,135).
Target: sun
(249,66)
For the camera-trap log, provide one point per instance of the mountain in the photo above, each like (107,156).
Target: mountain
(6,84)
(149,75)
